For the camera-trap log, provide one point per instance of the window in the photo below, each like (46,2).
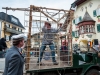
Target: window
(82,29)
(7,37)
(90,4)
(14,20)
(14,27)
(19,29)
(87,29)
(77,20)
(96,12)
(76,33)
(82,9)
(73,34)
(8,25)
(92,28)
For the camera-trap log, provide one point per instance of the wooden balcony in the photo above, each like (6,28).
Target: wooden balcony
(7,29)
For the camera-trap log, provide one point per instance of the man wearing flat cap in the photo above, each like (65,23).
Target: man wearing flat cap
(49,34)
(14,59)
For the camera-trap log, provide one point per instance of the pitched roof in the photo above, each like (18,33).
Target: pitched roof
(11,19)
(77,2)
(87,17)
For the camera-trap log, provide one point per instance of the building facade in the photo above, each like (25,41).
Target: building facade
(9,25)
(86,22)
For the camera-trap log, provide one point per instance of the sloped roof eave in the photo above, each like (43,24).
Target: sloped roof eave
(8,19)
(86,21)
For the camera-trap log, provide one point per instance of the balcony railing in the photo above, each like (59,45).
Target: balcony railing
(13,30)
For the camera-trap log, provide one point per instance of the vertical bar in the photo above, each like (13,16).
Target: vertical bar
(71,18)
(5,23)
(58,51)
(29,38)
(40,37)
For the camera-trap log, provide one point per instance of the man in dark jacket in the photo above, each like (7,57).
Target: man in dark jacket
(3,46)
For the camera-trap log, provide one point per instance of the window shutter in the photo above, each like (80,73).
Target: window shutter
(94,13)
(5,37)
(98,27)
(73,34)
(10,37)
(74,21)
(80,18)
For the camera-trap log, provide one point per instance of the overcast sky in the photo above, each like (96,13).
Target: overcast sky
(59,4)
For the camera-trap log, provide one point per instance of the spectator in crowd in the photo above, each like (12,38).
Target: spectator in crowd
(64,46)
(3,45)
(64,51)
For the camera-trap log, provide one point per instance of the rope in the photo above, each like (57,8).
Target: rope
(52,15)
(38,27)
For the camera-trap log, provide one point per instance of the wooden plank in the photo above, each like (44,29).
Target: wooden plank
(51,8)
(47,16)
(29,38)
(47,64)
(62,17)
